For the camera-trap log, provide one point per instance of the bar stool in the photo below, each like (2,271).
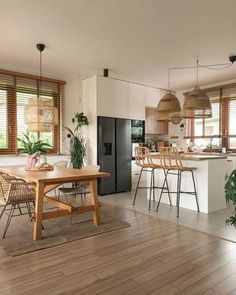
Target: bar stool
(144,160)
(171,162)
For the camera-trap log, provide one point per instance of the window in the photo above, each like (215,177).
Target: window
(15,92)
(220,130)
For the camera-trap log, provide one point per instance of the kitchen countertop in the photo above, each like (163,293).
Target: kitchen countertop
(194,157)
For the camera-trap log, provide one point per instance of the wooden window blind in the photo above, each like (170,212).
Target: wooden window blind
(8,114)
(223,123)
(63,134)
(229,116)
(15,91)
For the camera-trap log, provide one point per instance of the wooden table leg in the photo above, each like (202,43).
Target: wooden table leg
(94,201)
(37,235)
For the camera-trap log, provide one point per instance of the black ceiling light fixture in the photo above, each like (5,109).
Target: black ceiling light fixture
(105,72)
(232,58)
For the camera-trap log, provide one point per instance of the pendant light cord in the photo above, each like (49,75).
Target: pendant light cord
(210,67)
(169,79)
(197,72)
(41,75)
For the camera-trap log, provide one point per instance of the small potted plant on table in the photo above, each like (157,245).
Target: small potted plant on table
(33,149)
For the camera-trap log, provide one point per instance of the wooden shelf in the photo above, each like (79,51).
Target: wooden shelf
(152,126)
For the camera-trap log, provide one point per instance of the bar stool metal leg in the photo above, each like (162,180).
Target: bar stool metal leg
(178,190)
(195,191)
(153,185)
(162,189)
(167,186)
(151,188)
(136,191)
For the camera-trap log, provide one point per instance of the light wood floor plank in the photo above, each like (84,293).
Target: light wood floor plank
(152,257)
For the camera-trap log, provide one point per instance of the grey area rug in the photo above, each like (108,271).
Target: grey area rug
(56,231)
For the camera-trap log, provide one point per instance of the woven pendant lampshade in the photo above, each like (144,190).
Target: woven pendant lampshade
(197,104)
(40,113)
(169,103)
(168,107)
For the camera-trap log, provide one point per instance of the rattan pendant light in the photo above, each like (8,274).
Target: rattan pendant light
(197,104)
(168,108)
(40,113)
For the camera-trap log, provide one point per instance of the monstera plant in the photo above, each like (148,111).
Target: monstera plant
(230,195)
(77,141)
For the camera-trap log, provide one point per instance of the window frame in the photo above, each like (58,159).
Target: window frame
(12,111)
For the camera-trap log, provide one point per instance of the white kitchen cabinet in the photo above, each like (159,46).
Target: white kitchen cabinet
(152,97)
(105,97)
(121,99)
(136,101)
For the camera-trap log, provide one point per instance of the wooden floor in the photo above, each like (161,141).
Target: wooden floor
(151,257)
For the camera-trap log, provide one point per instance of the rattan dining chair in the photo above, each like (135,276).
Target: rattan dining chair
(82,188)
(13,193)
(63,164)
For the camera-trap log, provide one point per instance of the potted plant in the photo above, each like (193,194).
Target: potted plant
(152,143)
(77,142)
(33,149)
(230,195)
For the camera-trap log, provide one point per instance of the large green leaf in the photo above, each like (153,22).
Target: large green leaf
(230,195)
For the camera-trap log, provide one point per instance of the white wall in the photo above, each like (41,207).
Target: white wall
(73,104)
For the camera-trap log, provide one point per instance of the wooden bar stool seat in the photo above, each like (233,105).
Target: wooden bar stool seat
(144,160)
(171,162)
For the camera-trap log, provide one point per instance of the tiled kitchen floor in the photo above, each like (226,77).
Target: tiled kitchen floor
(213,223)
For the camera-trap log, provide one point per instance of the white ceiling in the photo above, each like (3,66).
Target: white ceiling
(137,40)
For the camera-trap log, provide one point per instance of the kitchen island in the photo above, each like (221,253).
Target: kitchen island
(209,177)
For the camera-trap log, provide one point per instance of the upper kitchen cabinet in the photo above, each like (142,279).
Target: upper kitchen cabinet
(136,101)
(152,97)
(118,99)
(121,99)
(105,96)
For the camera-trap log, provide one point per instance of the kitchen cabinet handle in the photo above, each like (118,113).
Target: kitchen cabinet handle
(229,160)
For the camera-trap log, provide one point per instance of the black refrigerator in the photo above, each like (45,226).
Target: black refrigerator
(114,154)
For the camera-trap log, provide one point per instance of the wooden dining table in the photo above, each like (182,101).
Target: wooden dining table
(46,181)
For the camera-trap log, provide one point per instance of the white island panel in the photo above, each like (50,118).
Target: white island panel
(209,179)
